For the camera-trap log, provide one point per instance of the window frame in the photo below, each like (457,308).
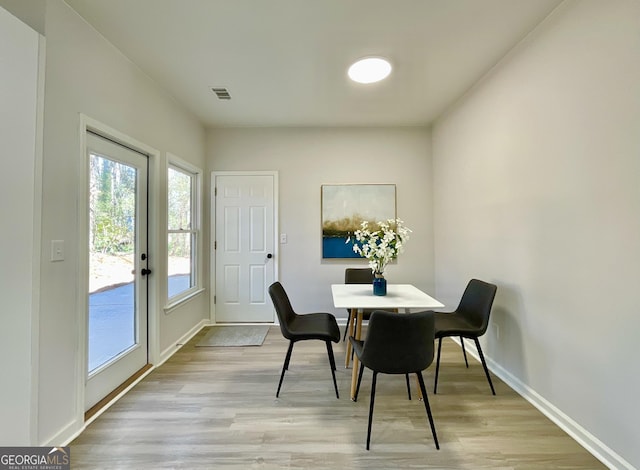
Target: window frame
(177,164)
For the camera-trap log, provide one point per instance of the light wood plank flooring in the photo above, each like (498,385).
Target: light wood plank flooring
(211,408)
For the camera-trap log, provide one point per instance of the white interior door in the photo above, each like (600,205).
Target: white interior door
(244,246)
(117,298)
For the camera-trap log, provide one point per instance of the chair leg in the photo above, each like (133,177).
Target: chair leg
(484,364)
(355,398)
(428,408)
(373,397)
(285,366)
(332,362)
(435,385)
(408,386)
(464,352)
(346,329)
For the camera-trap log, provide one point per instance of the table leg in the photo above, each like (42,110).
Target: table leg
(352,319)
(356,362)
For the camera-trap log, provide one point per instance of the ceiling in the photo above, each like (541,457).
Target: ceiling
(284,62)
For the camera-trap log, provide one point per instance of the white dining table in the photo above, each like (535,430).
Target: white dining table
(359,297)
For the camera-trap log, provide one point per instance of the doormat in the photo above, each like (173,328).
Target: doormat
(244,335)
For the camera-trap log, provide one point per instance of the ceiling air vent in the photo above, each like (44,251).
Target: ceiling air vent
(221,93)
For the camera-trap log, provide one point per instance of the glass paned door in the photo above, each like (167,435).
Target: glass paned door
(117,297)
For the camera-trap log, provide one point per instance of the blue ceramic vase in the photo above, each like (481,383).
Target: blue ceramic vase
(379,285)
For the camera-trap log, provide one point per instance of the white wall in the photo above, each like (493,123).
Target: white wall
(19,237)
(85,74)
(537,188)
(306,158)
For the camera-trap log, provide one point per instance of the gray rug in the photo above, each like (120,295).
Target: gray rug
(244,335)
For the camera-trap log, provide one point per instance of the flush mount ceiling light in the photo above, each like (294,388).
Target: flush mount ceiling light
(369,70)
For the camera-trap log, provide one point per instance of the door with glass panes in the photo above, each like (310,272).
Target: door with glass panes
(117,298)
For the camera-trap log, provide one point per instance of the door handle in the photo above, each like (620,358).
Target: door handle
(269,255)
(145,271)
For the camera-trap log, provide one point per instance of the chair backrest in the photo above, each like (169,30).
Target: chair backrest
(358,276)
(398,343)
(475,304)
(283,307)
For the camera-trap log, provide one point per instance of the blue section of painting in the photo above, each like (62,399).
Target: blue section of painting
(336,247)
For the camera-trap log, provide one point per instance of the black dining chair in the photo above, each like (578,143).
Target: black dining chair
(397,344)
(469,320)
(357,276)
(295,327)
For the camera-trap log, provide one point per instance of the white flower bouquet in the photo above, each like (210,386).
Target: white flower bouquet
(382,244)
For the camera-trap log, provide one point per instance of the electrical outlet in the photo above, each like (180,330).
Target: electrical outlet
(283,238)
(57,250)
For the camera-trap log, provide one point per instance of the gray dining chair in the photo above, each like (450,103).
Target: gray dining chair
(469,320)
(301,327)
(357,276)
(397,344)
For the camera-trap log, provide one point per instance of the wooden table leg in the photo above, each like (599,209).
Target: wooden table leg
(352,319)
(356,362)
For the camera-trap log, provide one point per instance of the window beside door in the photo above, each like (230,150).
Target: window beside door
(183,231)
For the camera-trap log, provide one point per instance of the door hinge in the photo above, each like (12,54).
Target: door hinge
(215,245)
(214,300)
(215,191)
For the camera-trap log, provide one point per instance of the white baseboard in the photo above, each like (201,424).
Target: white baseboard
(583,437)
(63,437)
(184,339)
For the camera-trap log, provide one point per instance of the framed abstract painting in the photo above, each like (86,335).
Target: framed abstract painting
(345,207)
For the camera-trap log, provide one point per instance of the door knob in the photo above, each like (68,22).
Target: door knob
(269,255)
(145,271)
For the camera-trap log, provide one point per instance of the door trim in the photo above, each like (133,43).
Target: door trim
(153,326)
(276,228)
